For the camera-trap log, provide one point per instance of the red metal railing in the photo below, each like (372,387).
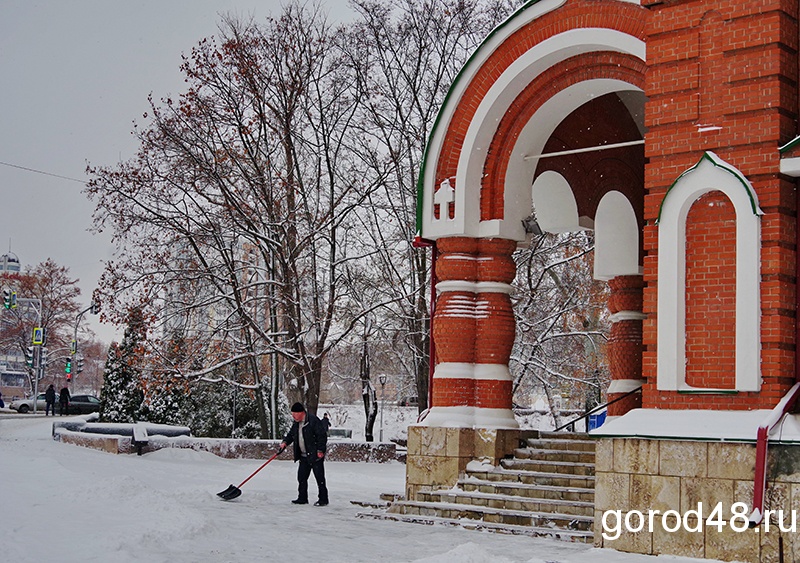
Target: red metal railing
(762,440)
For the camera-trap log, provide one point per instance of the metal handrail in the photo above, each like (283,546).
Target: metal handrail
(597,408)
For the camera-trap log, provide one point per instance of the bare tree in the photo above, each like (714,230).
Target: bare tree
(562,321)
(239,205)
(55,309)
(407,55)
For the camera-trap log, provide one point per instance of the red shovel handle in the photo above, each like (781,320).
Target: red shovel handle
(263,465)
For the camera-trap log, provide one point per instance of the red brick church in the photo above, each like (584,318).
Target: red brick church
(670,129)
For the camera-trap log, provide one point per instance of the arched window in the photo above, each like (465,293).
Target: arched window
(708,175)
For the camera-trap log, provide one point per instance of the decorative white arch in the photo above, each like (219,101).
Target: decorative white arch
(616,238)
(710,174)
(494,106)
(555,205)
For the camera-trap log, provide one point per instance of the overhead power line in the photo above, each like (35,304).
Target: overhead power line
(42,172)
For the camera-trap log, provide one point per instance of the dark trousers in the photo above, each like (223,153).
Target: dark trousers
(64,408)
(49,407)
(304,471)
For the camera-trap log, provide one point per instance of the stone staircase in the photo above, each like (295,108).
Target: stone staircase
(546,489)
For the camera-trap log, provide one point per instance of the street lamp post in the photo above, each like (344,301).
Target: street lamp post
(382,380)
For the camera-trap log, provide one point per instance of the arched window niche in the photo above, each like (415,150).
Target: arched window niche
(711,173)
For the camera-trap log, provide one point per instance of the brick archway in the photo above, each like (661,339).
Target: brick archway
(551,72)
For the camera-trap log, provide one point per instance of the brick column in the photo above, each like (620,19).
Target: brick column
(454,329)
(625,342)
(474,330)
(496,329)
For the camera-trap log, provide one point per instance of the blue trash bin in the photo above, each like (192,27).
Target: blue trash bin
(597,419)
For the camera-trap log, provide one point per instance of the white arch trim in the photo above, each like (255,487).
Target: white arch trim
(484,124)
(710,174)
(616,238)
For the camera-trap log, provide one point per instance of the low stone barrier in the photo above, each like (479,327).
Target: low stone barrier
(82,435)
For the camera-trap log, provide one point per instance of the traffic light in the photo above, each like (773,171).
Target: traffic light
(79,365)
(7,298)
(95,307)
(43,358)
(29,356)
(68,367)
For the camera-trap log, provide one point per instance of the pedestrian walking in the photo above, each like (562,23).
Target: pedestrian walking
(310,440)
(50,400)
(63,401)
(326,422)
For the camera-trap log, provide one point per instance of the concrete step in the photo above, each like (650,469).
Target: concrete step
(536,491)
(494,515)
(561,444)
(576,456)
(550,435)
(553,533)
(511,475)
(549,466)
(508,502)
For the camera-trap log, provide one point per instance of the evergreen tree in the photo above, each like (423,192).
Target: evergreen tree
(121,396)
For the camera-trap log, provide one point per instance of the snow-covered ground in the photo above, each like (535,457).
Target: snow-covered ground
(63,503)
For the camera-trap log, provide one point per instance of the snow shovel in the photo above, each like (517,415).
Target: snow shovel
(233,492)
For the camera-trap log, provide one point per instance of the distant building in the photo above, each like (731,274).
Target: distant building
(9,264)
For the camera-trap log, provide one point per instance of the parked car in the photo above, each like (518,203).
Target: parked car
(83,404)
(408,402)
(78,404)
(26,405)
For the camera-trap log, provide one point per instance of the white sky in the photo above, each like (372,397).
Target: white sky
(68,503)
(73,78)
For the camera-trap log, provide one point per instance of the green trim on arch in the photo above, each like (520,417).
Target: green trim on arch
(716,161)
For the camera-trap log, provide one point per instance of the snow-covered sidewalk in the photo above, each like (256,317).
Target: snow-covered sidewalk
(66,503)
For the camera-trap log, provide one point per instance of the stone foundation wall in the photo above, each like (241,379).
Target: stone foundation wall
(437,456)
(662,475)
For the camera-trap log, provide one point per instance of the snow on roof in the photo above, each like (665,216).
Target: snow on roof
(734,426)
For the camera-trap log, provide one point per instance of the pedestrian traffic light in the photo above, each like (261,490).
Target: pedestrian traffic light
(69,377)
(79,365)
(68,367)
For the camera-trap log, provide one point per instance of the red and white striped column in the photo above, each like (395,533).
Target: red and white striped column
(474,330)
(625,342)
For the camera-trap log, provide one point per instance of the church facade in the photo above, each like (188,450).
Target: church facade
(670,129)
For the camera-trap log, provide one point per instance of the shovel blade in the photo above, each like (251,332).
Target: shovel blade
(230,493)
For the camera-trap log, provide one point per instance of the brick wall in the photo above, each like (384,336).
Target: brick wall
(732,66)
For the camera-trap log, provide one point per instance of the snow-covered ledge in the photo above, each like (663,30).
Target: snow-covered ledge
(706,425)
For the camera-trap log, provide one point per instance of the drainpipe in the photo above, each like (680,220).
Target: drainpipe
(420,242)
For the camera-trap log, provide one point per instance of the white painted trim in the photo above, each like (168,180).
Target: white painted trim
(710,174)
(470,417)
(483,126)
(474,287)
(791,166)
(627,316)
(454,370)
(625,385)
(616,238)
(464,370)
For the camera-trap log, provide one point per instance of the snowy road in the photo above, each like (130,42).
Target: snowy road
(64,503)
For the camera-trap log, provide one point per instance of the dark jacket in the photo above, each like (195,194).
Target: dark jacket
(50,395)
(63,397)
(314,435)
